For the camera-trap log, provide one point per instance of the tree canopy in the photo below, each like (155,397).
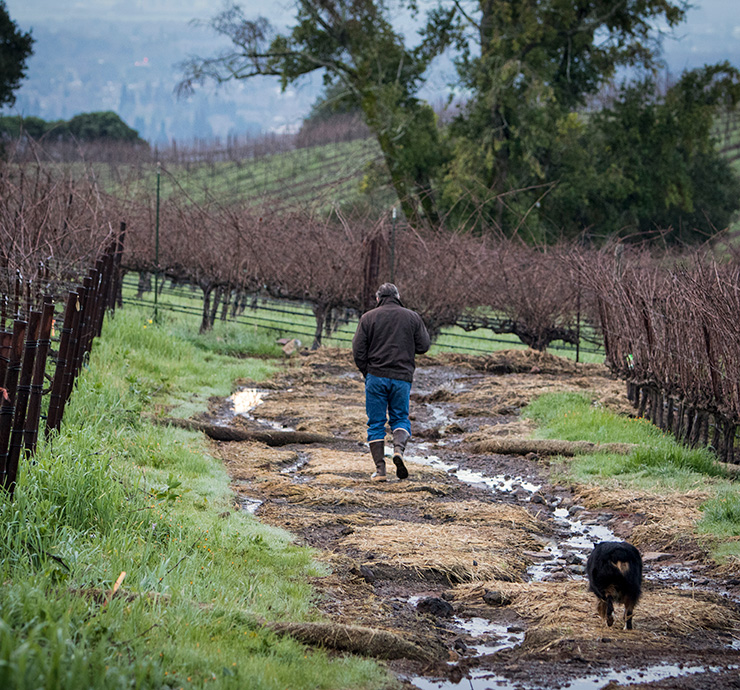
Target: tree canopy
(366,65)
(15,49)
(98,126)
(528,152)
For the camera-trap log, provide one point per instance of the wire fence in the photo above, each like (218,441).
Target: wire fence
(289,319)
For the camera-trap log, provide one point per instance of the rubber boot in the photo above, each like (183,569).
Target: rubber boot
(400,439)
(377,450)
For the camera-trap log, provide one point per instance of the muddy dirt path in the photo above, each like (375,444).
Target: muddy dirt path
(476,562)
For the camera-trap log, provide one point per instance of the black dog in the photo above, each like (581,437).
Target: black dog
(614,570)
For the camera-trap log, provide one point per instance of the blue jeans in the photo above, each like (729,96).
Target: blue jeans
(383,394)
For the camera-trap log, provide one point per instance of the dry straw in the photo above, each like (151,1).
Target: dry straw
(669,518)
(453,550)
(556,611)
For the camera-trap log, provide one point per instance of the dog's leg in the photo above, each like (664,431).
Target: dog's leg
(609,611)
(629,607)
(605,608)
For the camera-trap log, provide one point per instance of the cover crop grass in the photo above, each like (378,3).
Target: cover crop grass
(658,463)
(112,493)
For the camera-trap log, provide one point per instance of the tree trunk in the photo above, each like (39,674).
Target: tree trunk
(678,429)
(643,394)
(659,409)
(729,442)
(214,308)
(205,323)
(669,415)
(370,271)
(320,311)
(717,435)
(704,438)
(226,302)
(689,427)
(696,429)
(145,284)
(631,393)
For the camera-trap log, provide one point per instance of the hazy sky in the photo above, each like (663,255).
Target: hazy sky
(710,34)
(712,28)
(708,17)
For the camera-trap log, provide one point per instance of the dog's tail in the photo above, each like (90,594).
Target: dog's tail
(622,566)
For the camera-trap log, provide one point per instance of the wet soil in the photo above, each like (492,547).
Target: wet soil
(479,559)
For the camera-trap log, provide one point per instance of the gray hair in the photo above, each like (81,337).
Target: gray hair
(387,290)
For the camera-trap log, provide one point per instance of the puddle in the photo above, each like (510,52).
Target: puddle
(495,637)
(571,551)
(492,637)
(249,505)
(671,573)
(502,483)
(484,680)
(246,399)
(302,461)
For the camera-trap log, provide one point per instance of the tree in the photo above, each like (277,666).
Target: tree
(83,127)
(15,49)
(647,164)
(102,125)
(528,64)
(366,66)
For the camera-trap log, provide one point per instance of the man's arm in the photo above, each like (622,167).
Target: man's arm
(359,348)
(422,342)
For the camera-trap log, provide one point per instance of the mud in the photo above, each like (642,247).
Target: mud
(478,558)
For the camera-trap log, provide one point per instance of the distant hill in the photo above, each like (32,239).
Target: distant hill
(97,64)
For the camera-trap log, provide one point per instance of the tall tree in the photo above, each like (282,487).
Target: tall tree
(365,63)
(646,164)
(15,49)
(527,64)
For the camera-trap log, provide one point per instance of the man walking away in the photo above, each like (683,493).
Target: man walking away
(384,347)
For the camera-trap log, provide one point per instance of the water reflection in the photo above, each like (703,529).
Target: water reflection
(245,400)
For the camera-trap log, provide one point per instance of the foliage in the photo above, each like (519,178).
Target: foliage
(111,493)
(647,164)
(529,154)
(15,48)
(84,127)
(366,67)
(527,66)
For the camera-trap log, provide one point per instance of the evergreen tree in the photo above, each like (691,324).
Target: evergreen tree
(15,49)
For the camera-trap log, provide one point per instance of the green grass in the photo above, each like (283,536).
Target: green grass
(111,493)
(658,460)
(322,175)
(721,518)
(659,463)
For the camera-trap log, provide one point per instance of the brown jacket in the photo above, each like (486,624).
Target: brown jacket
(387,340)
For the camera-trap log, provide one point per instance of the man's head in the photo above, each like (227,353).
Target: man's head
(387,290)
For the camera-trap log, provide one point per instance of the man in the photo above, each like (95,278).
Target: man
(384,347)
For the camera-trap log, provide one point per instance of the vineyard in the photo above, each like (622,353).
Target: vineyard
(251,231)
(148,562)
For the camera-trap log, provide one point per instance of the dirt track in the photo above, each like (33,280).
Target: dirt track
(474,565)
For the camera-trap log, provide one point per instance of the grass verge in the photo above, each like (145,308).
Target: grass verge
(658,463)
(113,494)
